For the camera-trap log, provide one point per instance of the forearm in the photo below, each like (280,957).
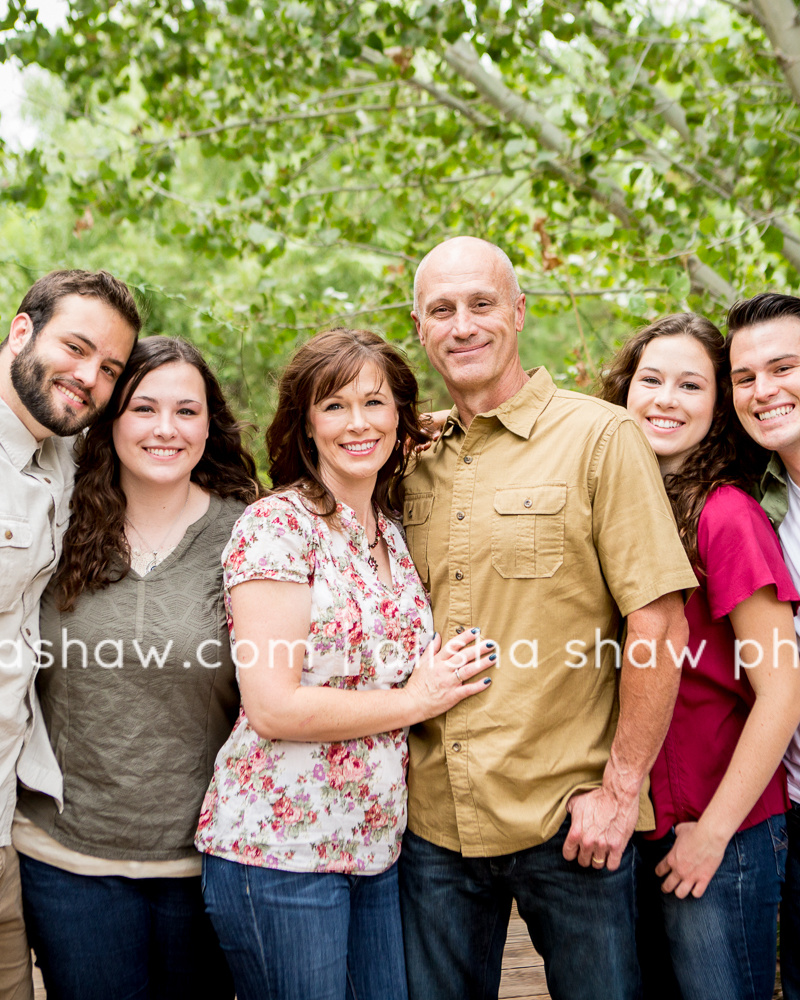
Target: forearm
(325,714)
(761,746)
(768,624)
(604,818)
(647,698)
(280,707)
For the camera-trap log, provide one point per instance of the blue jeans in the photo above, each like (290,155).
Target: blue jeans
(100,937)
(790,910)
(723,945)
(307,936)
(456,910)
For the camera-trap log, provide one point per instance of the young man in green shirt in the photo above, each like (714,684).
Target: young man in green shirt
(764,339)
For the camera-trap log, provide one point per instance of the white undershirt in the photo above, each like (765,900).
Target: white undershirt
(789,534)
(32,840)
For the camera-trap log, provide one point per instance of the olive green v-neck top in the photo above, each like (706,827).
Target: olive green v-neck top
(135,708)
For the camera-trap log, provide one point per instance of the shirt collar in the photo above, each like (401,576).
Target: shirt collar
(519,413)
(15,438)
(774,470)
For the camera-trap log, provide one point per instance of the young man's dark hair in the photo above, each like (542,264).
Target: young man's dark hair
(42,298)
(760,309)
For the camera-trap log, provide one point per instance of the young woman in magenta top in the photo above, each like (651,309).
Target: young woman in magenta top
(711,872)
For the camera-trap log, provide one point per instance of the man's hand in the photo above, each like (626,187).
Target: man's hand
(693,860)
(603,822)
(604,819)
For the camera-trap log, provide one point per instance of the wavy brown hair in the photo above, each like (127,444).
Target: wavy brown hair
(322,366)
(726,456)
(96,551)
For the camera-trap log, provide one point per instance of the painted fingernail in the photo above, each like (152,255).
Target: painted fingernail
(488,680)
(475,631)
(491,643)
(493,656)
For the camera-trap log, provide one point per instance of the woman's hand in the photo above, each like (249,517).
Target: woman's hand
(693,860)
(437,681)
(433,425)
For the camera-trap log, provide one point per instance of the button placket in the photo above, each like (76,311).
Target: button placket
(460,617)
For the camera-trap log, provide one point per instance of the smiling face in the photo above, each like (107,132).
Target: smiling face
(354,430)
(672,396)
(765,369)
(467,317)
(63,377)
(161,434)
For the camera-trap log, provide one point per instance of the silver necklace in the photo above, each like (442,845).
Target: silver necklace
(151,565)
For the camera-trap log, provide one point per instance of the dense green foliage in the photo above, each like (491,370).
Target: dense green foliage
(264,168)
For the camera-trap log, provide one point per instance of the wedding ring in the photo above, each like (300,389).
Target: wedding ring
(598,862)
(458,675)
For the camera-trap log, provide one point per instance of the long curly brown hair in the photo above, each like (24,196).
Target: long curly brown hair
(322,366)
(96,551)
(726,456)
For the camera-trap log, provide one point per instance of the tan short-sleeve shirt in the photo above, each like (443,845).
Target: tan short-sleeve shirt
(543,524)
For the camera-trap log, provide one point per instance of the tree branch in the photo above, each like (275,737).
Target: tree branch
(781,22)
(462,58)
(279,119)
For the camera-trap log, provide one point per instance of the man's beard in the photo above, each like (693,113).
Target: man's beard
(33,386)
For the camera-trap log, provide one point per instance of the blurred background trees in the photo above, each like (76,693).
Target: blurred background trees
(261,169)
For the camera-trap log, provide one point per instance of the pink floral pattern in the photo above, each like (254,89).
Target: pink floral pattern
(321,806)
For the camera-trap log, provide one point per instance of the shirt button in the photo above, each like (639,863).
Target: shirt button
(461,515)
(9,533)
(468,459)
(459,630)
(459,575)
(526,503)
(47,480)
(27,631)
(456,748)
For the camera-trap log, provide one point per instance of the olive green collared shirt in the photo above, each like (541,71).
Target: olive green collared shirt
(773,491)
(543,523)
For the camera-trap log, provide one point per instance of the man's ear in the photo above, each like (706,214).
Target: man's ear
(519,312)
(20,332)
(418,325)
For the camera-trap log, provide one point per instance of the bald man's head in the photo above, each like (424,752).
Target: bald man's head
(468,312)
(464,246)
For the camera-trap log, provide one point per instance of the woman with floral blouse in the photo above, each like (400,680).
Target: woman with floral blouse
(331,630)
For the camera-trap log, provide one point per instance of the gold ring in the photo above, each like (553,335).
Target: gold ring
(598,862)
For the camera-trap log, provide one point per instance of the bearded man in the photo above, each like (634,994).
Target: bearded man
(64,352)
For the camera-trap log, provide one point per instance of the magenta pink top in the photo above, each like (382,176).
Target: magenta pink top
(738,554)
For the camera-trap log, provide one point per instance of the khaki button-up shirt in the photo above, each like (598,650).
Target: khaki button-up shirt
(543,524)
(35,485)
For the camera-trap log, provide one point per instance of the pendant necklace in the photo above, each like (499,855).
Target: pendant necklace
(151,565)
(373,545)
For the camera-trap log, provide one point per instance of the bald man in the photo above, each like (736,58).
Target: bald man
(534,518)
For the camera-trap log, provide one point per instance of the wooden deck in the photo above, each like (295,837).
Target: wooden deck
(523,973)
(523,969)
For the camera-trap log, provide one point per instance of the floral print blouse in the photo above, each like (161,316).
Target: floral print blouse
(317,807)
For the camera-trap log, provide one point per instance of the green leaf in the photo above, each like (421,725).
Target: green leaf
(637,304)
(681,286)
(773,240)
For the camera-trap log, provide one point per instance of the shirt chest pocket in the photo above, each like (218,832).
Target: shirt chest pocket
(417,509)
(528,530)
(15,554)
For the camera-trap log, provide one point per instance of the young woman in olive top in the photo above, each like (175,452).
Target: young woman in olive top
(140,692)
